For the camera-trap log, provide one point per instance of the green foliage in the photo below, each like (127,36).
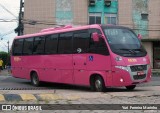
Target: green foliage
(5,57)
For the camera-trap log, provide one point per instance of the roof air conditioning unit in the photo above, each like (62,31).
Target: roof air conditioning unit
(107,3)
(92,2)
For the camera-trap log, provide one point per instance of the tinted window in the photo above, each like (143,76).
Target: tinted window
(28,46)
(81,42)
(98,47)
(38,47)
(51,44)
(18,45)
(65,43)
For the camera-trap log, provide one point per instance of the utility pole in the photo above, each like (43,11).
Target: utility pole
(20,28)
(8,46)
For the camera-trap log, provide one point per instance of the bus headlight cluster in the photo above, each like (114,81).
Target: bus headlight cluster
(118,58)
(122,67)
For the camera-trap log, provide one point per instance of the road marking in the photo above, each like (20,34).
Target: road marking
(2,97)
(27,97)
(49,97)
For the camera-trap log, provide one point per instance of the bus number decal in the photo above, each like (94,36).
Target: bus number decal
(17,59)
(132,60)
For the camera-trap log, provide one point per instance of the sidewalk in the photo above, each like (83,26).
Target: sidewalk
(5,73)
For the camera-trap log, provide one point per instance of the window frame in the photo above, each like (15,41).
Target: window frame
(110,15)
(95,16)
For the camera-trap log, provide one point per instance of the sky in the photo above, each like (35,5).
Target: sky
(7,28)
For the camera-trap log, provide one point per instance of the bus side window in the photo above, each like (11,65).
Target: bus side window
(51,44)
(98,47)
(17,47)
(28,46)
(81,42)
(65,43)
(38,47)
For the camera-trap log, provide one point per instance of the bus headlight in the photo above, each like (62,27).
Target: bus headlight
(118,58)
(122,67)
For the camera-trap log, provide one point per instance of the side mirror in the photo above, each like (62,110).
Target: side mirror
(95,37)
(139,36)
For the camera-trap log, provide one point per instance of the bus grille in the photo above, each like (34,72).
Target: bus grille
(138,77)
(138,68)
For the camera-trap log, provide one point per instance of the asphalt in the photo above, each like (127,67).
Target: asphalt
(68,92)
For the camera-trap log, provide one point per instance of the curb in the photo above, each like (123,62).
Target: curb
(35,97)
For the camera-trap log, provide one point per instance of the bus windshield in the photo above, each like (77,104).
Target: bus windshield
(124,42)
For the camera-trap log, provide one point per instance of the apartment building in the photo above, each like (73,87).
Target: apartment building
(143,16)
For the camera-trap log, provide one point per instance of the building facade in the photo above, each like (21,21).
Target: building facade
(143,16)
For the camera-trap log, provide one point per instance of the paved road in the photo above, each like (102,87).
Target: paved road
(9,82)
(148,93)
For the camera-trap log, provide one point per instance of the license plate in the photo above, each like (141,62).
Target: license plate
(140,73)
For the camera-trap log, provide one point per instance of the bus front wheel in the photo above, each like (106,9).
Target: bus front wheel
(98,84)
(132,87)
(35,80)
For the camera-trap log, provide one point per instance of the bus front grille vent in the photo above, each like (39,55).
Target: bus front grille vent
(138,68)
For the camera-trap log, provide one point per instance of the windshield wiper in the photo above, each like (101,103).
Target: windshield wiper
(130,50)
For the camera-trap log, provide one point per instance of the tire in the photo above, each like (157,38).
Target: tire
(35,80)
(98,84)
(132,87)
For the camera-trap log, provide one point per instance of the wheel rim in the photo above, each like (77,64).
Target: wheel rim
(35,79)
(98,85)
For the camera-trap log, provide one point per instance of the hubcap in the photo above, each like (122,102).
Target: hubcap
(98,84)
(35,79)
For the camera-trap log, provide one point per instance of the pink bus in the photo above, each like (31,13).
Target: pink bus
(98,56)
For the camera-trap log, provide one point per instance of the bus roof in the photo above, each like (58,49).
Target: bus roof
(61,29)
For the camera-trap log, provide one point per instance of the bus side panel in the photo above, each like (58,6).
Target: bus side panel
(64,63)
(17,66)
(49,71)
(101,63)
(80,72)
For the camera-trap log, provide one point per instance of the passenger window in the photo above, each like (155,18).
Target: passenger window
(81,42)
(65,43)
(51,44)
(98,47)
(38,47)
(28,46)
(18,45)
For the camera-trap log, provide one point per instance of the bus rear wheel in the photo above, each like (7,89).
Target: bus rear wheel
(35,80)
(98,84)
(132,87)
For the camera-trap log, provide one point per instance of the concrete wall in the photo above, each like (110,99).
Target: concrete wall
(50,13)
(140,7)
(125,13)
(154,19)
(149,47)
(39,11)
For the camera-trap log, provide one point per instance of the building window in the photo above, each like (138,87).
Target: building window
(94,18)
(111,19)
(144,16)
